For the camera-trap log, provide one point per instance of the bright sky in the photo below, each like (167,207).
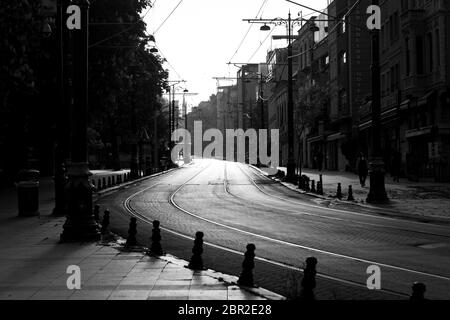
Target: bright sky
(201,37)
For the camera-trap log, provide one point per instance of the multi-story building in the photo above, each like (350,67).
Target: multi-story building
(278,97)
(349,54)
(312,103)
(247,81)
(414,89)
(425,138)
(226,107)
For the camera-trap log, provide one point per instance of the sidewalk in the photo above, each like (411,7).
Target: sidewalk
(34,265)
(420,199)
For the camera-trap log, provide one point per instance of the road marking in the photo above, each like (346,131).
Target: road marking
(171,200)
(147,220)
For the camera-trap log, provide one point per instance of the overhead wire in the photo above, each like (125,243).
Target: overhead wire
(167,18)
(248,30)
(122,31)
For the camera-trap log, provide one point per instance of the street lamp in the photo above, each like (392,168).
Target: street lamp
(80,224)
(290,176)
(186,155)
(265,27)
(377,192)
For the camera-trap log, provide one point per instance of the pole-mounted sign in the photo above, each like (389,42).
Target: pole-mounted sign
(74,19)
(374,21)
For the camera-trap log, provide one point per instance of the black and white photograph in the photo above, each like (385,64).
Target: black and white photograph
(233,157)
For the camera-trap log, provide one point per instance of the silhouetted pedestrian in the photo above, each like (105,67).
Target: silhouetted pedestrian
(363,170)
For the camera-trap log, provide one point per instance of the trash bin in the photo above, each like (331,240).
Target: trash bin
(28,193)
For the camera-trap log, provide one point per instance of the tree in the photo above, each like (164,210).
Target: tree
(125,77)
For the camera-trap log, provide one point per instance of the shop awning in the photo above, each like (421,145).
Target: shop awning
(418,132)
(424,100)
(336,136)
(365,125)
(316,139)
(405,104)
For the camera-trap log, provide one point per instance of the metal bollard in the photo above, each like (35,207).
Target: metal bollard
(246,277)
(309,279)
(196,262)
(156,248)
(339,191)
(28,193)
(132,231)
(320,190)
(350,194)
(418,292)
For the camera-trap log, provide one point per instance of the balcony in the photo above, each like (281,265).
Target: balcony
(412,18)
(413,82)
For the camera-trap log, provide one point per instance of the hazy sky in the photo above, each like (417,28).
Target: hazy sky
(201,37)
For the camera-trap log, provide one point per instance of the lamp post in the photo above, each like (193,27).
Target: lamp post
(134,165)
(290,176)
(377,192)
(61,150)
(80,224)
(187,155)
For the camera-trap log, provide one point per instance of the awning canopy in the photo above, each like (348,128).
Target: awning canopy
(316,139)
(365,125)
(405,104)
(336,136)
(424,100)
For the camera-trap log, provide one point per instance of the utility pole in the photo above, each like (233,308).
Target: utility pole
(134,165)
(290,23)
(377,193)
(290,176)
(186,154)
(62,117)
(261,99)
(80,224)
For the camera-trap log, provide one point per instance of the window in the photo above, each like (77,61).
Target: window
(419,54)
(343,101)
(342,60)
(438,49)
(408,57)
(396,26)
(430,52)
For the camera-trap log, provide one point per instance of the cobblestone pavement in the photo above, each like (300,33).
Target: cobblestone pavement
(34,265)
(283,232)
(416,199)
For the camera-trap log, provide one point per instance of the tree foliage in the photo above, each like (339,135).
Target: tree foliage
(125,77)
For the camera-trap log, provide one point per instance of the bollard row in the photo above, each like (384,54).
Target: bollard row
(308,185)
(308,282)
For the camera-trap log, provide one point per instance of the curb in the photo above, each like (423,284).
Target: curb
(376,210)
(108,191)
(226,279)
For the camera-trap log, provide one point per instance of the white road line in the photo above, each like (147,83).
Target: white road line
(286,243)
(144,219)
(171,200)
